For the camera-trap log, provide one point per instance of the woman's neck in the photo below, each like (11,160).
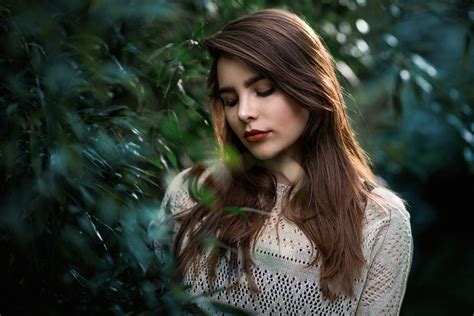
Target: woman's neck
(287,170)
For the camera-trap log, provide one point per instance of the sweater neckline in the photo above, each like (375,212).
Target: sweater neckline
(282,179)
(282,186)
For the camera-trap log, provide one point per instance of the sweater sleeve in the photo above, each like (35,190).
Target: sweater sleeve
(387,276)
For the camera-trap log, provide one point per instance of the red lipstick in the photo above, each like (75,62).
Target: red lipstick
(255,135)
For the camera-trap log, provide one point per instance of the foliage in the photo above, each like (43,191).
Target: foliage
(86,140)
(101,102)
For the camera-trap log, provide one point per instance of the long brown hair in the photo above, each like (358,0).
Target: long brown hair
(328,204)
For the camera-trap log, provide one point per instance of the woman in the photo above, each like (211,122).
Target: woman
(298,224)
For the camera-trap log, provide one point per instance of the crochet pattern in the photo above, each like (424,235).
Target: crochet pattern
(287,285)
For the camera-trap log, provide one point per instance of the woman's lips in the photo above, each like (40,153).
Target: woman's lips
(253,137)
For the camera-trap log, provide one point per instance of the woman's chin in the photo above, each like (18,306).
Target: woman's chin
(262,155)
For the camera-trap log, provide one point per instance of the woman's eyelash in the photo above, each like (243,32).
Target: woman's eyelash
(229,102)
(262,94)
(266,93)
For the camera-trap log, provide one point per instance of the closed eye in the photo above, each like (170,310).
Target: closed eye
(266,93)
(229,102)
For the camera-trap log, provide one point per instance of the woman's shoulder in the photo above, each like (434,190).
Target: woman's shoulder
(388,199)
(178,180)
(177,197)
(386,212)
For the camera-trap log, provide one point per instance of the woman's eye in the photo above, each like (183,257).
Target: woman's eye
(230,102)
(266,93)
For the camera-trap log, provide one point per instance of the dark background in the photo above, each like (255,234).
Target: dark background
(101,102)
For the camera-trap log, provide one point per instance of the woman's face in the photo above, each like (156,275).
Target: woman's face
(266,121)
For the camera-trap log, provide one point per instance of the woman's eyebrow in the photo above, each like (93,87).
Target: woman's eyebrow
(252,80)
(247,84)
(226,89)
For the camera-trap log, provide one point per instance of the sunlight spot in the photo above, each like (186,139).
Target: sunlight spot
(362,26)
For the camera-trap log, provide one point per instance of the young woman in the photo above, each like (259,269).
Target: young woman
(298,224)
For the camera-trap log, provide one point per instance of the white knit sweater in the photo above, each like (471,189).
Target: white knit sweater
(288,286)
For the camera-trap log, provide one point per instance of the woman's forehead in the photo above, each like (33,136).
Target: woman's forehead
(231,71)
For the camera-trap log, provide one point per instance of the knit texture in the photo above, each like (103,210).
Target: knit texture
(287,285)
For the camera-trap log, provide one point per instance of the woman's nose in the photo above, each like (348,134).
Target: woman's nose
(247,110)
